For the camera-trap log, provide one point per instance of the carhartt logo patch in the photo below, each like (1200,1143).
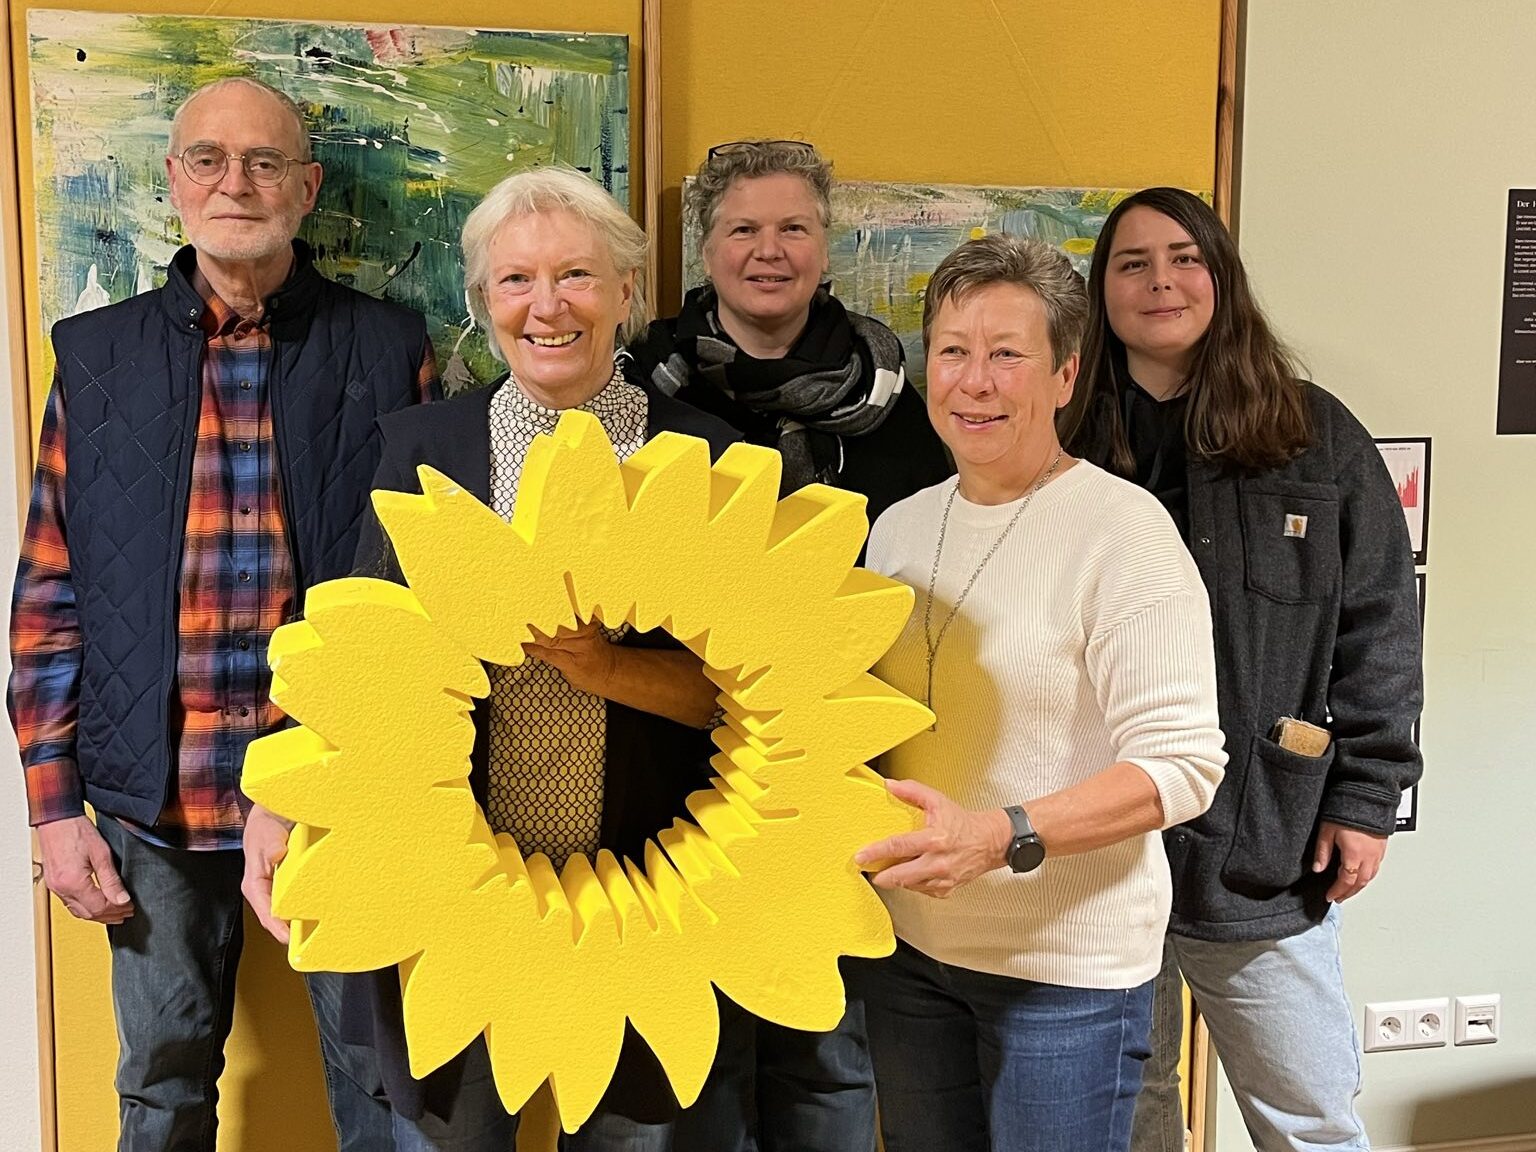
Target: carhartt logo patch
(1295,525)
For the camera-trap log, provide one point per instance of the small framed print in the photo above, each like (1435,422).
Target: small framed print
(1408,805)
(1408,810)
(1407,459)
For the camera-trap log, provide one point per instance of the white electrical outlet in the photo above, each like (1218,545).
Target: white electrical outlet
(1394,1024)
(1477,1019)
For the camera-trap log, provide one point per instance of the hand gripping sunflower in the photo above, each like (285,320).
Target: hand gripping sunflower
(392,861)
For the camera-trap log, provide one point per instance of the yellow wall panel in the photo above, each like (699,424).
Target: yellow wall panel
(1114,93)
(273,1090)
(1118,94)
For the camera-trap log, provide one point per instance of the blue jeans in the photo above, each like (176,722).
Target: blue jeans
(777,1089)
(972,1062)
(360,1112)
(173,993)
(477,1122)
(1282,1025)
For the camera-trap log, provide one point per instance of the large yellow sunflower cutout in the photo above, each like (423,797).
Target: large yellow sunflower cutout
(393,862)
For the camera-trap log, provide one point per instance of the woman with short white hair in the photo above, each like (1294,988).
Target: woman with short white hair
(596,739)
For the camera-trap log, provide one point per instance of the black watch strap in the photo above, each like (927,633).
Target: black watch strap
(1026,852)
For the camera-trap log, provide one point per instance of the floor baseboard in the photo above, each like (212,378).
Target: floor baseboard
(1525,1143)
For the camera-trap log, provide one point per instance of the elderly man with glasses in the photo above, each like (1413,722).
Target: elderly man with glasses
(205,458)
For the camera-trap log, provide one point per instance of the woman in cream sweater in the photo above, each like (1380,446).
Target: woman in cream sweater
(1062,637)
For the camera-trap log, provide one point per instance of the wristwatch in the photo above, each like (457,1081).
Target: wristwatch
(1026,851)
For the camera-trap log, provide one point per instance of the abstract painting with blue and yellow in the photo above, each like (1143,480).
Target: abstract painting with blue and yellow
(412,123)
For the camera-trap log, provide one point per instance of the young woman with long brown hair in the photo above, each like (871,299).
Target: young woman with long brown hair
(1297,531)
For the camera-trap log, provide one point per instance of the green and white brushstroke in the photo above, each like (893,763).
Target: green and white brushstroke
(413,125)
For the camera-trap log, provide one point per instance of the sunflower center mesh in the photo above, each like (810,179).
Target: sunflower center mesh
(548,740)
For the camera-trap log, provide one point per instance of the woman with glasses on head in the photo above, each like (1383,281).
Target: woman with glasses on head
(1299,535)
(768,349)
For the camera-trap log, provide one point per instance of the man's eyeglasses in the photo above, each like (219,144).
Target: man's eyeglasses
(742,147)
(265,167)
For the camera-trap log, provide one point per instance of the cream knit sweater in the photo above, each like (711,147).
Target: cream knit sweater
(1086,640)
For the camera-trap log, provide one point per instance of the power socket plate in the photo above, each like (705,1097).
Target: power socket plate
(1391,1025)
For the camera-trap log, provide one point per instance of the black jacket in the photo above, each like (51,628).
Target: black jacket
(1322,627)
(672,760)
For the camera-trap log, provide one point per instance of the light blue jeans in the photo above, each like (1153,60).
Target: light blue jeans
(1283,1027)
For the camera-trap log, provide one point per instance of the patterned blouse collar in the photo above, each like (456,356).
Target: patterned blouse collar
(617,397)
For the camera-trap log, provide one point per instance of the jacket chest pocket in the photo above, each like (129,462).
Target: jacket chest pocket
(1291,540)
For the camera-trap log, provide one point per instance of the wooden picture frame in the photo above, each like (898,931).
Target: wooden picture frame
(21,432)
(1229,91)
(644,25)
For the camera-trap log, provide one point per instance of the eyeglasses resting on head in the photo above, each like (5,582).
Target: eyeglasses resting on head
(737,147)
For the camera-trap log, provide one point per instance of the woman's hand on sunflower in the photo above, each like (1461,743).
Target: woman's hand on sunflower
(954,846)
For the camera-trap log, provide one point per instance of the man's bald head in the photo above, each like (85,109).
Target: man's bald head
(300,144)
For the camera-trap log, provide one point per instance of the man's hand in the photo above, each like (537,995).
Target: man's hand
(266,843)
(583,656)
(955,846)
(77,868)
(1360,855)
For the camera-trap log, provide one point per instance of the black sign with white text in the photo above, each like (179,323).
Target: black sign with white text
(1517,347)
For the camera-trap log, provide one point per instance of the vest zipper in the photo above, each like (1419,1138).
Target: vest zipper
(274,397)
(179,539)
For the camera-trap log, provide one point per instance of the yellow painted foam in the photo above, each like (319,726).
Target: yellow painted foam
(392,862)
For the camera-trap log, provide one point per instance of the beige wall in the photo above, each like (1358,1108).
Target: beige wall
(1379,140)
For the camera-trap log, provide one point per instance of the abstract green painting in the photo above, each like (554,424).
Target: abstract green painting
(886,239)
(413,125)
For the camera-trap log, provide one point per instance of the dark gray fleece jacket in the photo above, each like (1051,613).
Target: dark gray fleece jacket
(1322,626)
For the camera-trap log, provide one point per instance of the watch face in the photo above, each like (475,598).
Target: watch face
(1027,856)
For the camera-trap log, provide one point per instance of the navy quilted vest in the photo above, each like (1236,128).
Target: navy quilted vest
(131,375)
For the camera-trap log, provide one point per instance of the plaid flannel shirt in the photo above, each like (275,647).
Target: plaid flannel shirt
(237,586)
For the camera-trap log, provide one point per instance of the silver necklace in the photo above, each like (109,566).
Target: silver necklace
(932,642)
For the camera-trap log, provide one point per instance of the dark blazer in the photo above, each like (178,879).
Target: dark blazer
(651,764)
(1323,627)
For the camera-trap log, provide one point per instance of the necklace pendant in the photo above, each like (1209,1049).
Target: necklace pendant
(928,697)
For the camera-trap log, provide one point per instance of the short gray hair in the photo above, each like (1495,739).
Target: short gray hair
(560,189)
(306,152)
(999,258)
(750,159)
